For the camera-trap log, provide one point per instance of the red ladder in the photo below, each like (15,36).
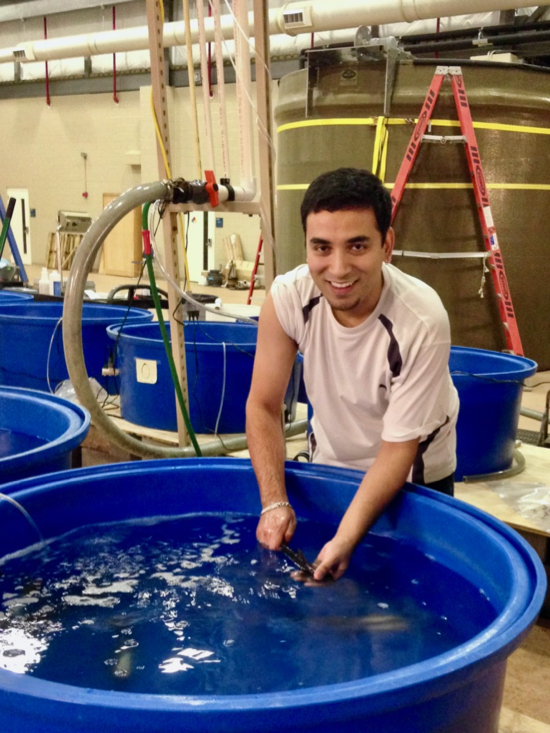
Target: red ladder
(496,264)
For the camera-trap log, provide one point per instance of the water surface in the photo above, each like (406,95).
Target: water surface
(194,606)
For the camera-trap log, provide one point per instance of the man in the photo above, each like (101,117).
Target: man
(376,346)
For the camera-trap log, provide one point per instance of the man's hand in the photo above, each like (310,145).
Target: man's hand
(334,558)
(275,527)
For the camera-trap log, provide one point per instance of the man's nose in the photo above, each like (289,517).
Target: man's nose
(339,265)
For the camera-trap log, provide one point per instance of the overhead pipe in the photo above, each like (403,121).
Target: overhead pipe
(484,43)
(291,19)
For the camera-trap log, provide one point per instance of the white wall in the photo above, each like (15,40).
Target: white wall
(41,146)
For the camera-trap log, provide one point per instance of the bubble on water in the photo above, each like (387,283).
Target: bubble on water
(117,587)
(109,602)
(129,644)
(174,664)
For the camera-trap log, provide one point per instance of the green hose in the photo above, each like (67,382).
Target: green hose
(164,332)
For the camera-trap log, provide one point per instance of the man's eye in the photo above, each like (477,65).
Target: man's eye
(358,247)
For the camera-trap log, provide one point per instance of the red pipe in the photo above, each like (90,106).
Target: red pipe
(254,271)
(114,60)
(48,98)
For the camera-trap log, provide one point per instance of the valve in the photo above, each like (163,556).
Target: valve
(212,188)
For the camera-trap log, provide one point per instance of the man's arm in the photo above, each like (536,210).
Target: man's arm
(275,355)
(381,483)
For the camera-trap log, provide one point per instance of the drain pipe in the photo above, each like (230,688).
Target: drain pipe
(84,259)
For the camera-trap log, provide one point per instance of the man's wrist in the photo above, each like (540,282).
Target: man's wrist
(275,505)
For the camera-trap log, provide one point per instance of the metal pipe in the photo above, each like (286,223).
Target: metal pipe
(533,414)
(290,19)
(484,43)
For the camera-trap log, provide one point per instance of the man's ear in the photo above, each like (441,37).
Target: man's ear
(389,242)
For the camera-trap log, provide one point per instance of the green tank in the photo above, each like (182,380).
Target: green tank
(327,118)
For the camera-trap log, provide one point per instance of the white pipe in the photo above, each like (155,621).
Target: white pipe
(317,16)
(224,138)
(191,77)
(210,160)
(244,87)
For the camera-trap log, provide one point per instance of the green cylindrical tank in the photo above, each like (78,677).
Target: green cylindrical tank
(335,125)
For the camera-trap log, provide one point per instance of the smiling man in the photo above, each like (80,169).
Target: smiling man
(376,347)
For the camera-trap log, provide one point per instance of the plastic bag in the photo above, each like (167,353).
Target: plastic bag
(66,391)
(529,498)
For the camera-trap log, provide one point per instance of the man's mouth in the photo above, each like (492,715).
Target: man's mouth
(341,285)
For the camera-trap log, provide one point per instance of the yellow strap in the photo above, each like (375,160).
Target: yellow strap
(494,186)
(376,153)
(328,122)
(371,121)
(384,160)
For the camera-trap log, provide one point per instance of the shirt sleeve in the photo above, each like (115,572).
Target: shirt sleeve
(420,398)
(288,306)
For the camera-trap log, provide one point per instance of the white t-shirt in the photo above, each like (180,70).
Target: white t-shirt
(386,379)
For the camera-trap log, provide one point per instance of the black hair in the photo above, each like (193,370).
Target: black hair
(348,188)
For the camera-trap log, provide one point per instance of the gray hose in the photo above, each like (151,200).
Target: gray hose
(84,259)
(533,414)
(499,475)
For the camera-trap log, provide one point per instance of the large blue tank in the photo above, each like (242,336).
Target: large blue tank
(219,358)
(490,386)
(38,431)
(31,342)
(457,691)
(12,296)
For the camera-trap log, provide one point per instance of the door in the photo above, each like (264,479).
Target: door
(21,222)
(199,228)
(121,252)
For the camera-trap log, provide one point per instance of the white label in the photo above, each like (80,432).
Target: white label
(146,371)
(488,217)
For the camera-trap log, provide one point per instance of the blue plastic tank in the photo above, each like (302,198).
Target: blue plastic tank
(219,359)
(12,296)
(489,385)
(38,431)
(31,342)
(457,691)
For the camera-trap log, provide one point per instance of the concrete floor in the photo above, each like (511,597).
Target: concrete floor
(526,705)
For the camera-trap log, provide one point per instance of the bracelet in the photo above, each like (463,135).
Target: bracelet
(276,505)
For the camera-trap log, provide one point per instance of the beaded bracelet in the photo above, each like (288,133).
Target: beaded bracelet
(276,505)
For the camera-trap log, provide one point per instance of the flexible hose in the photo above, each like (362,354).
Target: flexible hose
(164,333)
(84,259)
(85,256)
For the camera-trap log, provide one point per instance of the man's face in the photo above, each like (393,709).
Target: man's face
(345,254)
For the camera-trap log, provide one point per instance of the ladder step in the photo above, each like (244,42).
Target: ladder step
(443,139)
